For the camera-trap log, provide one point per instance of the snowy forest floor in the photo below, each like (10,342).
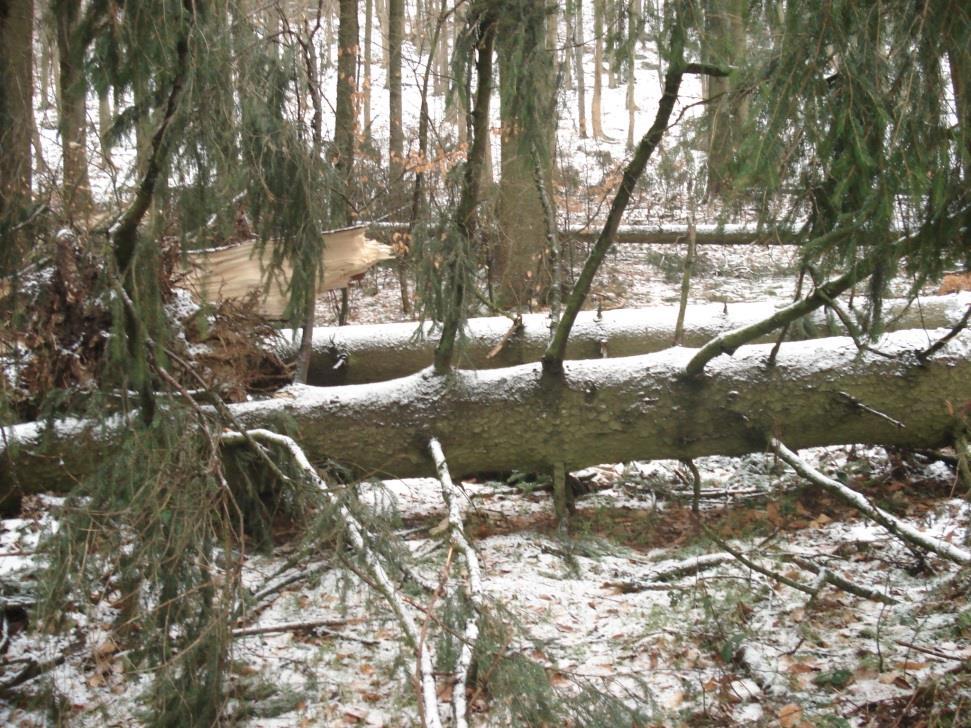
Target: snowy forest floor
(606,611)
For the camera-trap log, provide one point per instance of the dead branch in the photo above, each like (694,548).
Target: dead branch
(381,580)
(831,577)
(473,589)
(323,626)
(906,533)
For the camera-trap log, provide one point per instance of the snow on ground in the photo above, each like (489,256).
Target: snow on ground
(724,645)
(721,646)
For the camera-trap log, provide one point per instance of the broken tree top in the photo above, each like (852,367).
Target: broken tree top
(235,271)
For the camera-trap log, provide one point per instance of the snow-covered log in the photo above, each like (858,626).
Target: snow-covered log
(652,234)
(358,354)
(822,392)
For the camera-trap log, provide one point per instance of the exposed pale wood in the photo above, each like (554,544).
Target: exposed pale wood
(236,271)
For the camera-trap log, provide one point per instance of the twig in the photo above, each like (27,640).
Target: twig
(382,581)
(840,582)
(942,342)
(859,405)
(927,650)
(473,588)
(317,625)
(894,525)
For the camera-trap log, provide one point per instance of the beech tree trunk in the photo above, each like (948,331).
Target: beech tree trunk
(361,354)
(635,408)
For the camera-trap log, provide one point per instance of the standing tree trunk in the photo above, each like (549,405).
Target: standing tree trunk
(16,122)
(596,118)
(574,31)
(396,136)
(959,64)
(72,120)
(465,213)
(723,45)
(345,124)
(345,116)
(634,30)
(528,123)
(366,84)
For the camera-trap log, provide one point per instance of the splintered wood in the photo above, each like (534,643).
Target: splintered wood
(235,271)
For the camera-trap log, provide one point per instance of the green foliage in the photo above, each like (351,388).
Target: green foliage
(846,114)
(156,538)
(834,679)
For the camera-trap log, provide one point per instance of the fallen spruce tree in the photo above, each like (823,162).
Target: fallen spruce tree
(823,392)
(374,353)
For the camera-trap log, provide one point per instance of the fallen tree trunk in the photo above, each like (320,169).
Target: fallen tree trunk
(358,354)
(823,392)
(730,234)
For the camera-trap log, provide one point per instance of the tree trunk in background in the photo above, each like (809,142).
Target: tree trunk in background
(596,118)
(614,410)
(345,116)
(46,72)
(634,31)
(16,122)
(959,64)
(366,84)
(520,256)
(723,45)
(72,116)
(360,354)
(574,19)
(441,59)
(396,141)
(345,125)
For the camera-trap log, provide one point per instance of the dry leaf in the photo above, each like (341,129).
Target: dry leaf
(790,715)
(908,665)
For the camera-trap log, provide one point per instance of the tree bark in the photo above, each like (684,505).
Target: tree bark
(616,410)
(361,354)
(723,44)
(345,114)
(72,111)
(16,122)
(521,265)
(596,121)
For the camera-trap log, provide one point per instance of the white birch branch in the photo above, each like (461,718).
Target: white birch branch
(894,525)
(473,589)
(355,531)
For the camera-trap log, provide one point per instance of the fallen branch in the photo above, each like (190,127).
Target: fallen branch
(831,577)
(323,626)
(905,532)
(672,571)
(473,588)
(355,533)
